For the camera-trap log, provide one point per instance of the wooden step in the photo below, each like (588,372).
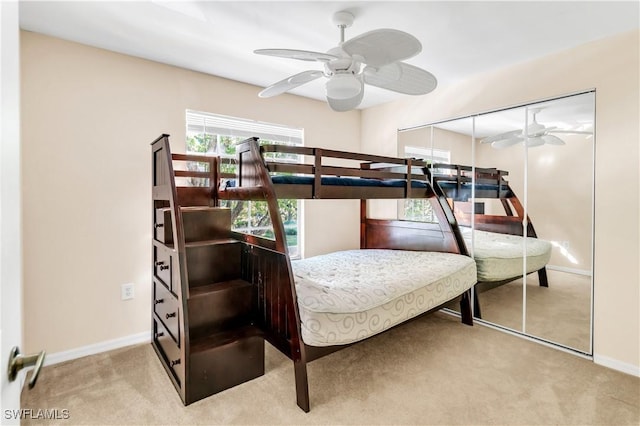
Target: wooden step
(194,196)
(200,223)
(217,241)
(212,262)
(223,360)
(224,338)
(220,306)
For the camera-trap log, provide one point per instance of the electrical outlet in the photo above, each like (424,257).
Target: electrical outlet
(127,291)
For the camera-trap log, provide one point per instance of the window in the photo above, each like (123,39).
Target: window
(417,209)
(212,134)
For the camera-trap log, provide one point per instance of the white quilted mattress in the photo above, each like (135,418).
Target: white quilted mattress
(347,296)
(499,256)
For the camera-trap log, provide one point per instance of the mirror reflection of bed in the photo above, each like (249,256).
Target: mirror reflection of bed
(554,182)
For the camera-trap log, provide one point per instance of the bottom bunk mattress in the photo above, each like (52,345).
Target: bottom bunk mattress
(347,296)
(499,256)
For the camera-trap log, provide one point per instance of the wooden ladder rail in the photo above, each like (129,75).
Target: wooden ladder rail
(255,183)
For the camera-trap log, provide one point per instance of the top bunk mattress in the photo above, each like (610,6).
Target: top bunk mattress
(347,296)
(500,256)
(345,181)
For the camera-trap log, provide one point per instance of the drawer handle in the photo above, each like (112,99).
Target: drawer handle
(159,301)
(159,334)
(171,315)
(162,265)
(175,362)
(159,225)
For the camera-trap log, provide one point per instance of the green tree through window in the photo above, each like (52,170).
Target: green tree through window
(209,134)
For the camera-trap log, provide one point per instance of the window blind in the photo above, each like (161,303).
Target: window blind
(204,122)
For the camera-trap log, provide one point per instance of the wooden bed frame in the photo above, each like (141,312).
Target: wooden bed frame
(488,183)
(218,294)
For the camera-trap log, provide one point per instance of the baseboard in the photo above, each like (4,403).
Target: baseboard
(96,348)
(569,270)
(614,364)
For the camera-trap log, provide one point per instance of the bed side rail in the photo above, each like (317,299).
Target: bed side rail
(466,174)
(319,162)
(451,186)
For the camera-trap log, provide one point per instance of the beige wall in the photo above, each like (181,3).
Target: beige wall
(88,117)
(611,67)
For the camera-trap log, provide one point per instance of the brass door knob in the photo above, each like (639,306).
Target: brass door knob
(18,361)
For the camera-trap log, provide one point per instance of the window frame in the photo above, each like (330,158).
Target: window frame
(238,129)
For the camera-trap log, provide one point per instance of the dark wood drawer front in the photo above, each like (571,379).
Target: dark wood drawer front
(165,305)
(170,349)
(163,265)
(163,228)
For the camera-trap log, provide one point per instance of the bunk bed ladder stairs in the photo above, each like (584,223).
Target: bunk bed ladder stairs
(208,306)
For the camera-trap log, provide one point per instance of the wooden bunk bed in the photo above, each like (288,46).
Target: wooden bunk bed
(498,239)
(218,294)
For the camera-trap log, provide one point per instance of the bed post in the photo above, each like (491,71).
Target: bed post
(543,281)
(363,224)
(465,308)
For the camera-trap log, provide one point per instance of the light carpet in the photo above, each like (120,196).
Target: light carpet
(433,370)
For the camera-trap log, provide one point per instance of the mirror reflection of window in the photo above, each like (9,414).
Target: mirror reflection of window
(416,209)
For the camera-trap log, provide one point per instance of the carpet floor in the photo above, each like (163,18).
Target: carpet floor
(433,370)
(568,297)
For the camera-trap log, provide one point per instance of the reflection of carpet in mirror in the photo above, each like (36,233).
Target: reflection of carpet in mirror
(560,313)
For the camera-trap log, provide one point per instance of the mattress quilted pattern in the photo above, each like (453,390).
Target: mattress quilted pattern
(499,256)
(350,295)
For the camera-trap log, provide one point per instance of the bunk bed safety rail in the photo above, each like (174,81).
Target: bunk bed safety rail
(330,168)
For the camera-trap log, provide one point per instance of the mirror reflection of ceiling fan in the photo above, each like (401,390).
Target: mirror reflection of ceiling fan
(374,58)
(537,134)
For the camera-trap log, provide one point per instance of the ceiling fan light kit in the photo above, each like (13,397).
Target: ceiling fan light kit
(374,58)
(343,86)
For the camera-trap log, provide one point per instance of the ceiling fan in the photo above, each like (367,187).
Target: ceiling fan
(374,58)
(536,134)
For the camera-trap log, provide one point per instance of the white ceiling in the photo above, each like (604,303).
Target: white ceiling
(459,39)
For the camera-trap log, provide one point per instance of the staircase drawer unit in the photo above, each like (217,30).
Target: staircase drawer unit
(203,312)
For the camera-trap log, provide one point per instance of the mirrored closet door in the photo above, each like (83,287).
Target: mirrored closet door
(527,213)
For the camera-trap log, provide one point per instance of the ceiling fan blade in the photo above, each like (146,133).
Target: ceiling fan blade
(536,141)
(402,78)
(290,83)
(342,105)
(504,143)
(506,135)
(302,55)
(553,140)
(383,46)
